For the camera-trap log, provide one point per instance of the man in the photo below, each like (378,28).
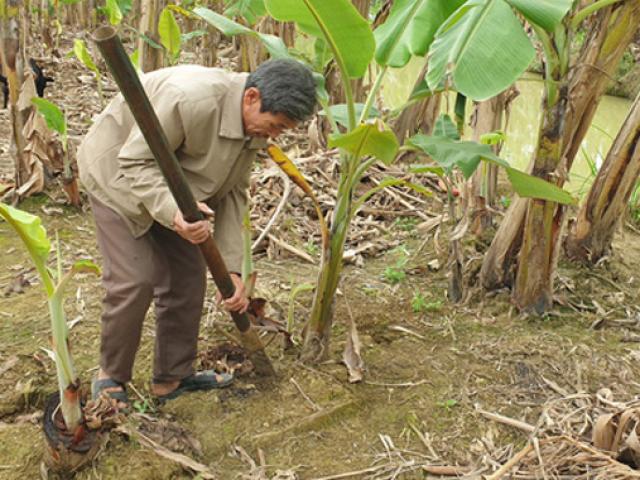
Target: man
(215,121)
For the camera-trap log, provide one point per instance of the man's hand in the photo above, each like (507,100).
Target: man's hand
(239,302)
(196,232)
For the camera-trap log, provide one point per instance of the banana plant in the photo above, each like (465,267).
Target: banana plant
(480,50)
(34,237)
(170,35)
(249,10)
(411,30)
(82,53)
(274,45)
(57,121)
(450,152)
(113,12)
(362,140)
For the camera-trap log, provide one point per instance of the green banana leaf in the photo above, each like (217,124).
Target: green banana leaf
(368,139)
(34,237)
(274,45)
(445,127)
(450,153)
(341,116)
(439,171)
(546,13)
(52,115)
(113,12)
(135,58)
(338,22)
(82,54)
(80,266)
(250,10)
(322,54)
(169,32)
(410,29)
(125,6)
(483,46)
(466,156)
(493,138)
(529,186)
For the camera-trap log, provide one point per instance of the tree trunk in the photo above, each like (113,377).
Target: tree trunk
(210,47)
(287,32)
(591,234)
(421,116)
(607,39)
(149,58)
(487,117)
(533,290)
(13,63)
(91,12)
(209,43)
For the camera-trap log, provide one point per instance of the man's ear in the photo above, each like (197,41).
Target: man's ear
(251,96)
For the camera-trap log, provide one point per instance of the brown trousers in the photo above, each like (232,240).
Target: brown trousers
(159,266)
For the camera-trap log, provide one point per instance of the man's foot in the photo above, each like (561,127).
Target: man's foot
(111,389)
(205,380)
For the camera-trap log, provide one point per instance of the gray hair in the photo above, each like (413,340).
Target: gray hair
(286,86)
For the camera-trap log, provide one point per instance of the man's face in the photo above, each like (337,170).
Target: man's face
(262,124)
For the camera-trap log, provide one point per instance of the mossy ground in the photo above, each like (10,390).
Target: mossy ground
(430,375)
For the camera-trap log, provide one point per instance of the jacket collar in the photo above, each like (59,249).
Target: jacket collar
(231,121)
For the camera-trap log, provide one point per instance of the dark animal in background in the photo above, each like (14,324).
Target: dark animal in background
(5,89)
(40,80)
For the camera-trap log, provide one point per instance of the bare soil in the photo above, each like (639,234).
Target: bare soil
(426,371)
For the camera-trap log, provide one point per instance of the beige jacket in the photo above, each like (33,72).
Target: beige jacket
(200,111)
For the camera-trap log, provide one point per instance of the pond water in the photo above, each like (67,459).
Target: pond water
(522,130)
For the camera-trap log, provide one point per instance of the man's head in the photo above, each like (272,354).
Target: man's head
(278,95)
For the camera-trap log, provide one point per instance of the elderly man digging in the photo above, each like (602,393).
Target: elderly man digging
(215,122)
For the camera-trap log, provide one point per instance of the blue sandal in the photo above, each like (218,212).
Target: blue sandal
(205,380)
(99,386)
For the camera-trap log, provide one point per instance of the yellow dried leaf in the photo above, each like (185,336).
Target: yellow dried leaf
(290,169)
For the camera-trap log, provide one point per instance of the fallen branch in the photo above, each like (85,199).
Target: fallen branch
(504,469)
(445,470)
(396,385)
(313,404)
(291,249)
(496,417)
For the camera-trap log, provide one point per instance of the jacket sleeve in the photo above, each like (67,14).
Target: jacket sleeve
(228,225)
(137,162)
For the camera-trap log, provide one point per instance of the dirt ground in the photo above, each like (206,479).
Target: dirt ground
(430,373)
